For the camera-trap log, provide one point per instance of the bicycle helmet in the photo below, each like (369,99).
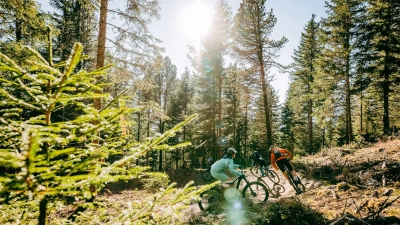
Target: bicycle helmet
(272,147)
(231,151)
(255,153)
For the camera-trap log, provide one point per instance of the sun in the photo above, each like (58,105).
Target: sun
(196,20)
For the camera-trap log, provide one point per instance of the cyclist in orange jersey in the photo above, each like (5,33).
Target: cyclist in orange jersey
(278,160)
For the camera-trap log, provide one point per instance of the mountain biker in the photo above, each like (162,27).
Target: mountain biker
(224,165)
(258,160)
(278,159)
(209,163)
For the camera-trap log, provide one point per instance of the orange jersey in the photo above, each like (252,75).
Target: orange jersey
(283,151)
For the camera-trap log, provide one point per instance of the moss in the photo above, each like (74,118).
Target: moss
(343,186)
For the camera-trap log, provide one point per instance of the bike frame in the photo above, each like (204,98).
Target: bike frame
(239,179)
(247,186)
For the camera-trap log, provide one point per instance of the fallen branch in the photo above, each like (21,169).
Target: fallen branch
(334,195)
(387,192)
(384,205)
(344,164)
(345,206)
(361,206)
(361,186)
(347,218)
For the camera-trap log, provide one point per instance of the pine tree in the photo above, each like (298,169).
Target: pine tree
(340,30)
(208,62)
(74,19)
(164,82)
(379,59)
(179,109)
(21,20)
(133,46)
(287,128)
(254,48)
(302,78)
(216,44)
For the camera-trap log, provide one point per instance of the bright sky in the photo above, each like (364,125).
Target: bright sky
(292,16)
(175,31)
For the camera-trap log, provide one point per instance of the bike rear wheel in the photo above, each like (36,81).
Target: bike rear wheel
(209,198)
(255,170)
(206,175)
(256,191)
(273,176)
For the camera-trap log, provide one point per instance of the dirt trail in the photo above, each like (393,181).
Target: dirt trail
(284,189)
(276,191)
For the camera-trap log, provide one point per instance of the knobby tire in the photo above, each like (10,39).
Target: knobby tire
(256,191)
(209,197)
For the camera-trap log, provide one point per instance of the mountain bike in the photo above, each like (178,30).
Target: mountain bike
(255,191)
(298,187)
(206,175)
(272,175)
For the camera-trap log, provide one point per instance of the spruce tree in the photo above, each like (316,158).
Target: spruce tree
(209,62)
(58,161)
(301,99)
(180,107)
(21,20)
(257,52)
(379,45)
(74,21)
(340,30)
(164,82)
(287,129)
(216,44)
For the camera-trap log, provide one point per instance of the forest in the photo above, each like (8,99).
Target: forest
(86,102)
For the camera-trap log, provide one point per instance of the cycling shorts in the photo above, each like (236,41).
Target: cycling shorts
(281,163)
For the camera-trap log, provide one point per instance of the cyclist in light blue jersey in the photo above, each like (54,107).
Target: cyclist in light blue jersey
(222,166)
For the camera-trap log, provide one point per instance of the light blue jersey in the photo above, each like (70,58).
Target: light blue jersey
(219,169)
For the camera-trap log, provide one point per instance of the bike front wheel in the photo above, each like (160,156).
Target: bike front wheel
(255,170)
(206,175)
(301,188)
(209,198)
(256,192)
(273,176)
(298,187)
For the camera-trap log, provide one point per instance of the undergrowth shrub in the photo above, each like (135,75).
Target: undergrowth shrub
(155,182)
(290,211)
(62,164)
(348,177)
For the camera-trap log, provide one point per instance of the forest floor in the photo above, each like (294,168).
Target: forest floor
(359,182)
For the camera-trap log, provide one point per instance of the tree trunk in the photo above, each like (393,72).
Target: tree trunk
(101,44)
(245,132)
(361,111)
(386,90)
(18,30)
(43,211)
(266,104)
(349,127)
(148,134)
(160,156)
(310,127)
(234,118)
